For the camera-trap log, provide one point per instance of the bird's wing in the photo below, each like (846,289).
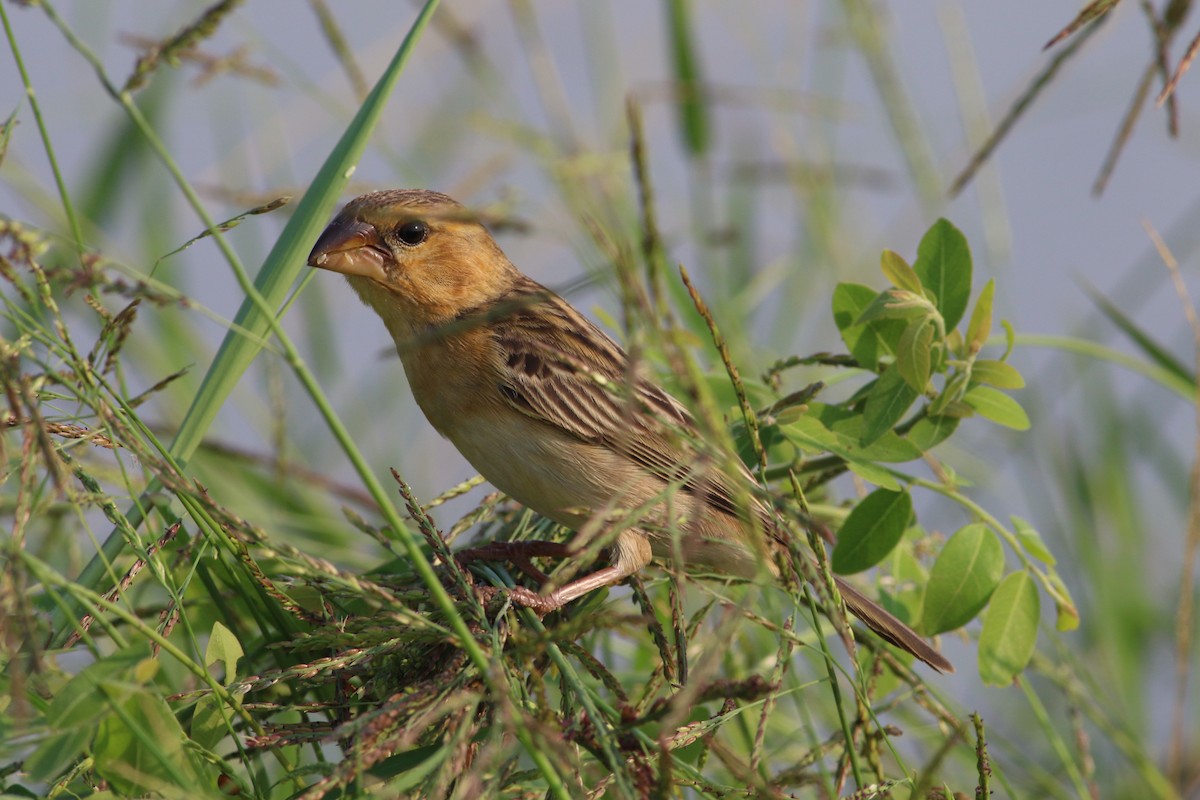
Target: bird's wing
(562,370)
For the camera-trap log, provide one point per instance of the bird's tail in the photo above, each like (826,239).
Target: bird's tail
(889,628)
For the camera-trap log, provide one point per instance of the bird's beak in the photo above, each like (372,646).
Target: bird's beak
(351,247)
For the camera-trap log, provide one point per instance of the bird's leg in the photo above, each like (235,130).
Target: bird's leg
(545,603)
(631,552)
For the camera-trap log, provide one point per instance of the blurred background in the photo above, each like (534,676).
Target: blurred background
(790,142)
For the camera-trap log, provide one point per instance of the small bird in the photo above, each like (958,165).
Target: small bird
(549,409)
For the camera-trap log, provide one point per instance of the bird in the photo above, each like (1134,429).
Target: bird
(552,411)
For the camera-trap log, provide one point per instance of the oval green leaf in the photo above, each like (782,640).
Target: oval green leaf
(889,399)
(930,431)
(1000,374)
(950,394)
(1009,632)
(896,304)
(944,266)
(1031,540)
(890,448)
(874,474)
(897,270)
(809,434)
(962,579)
(867,343)
(980,326)
(223,646)
(914,355)
(56,753)
(142,750)
(1067,615)
(872,530)
(998,407)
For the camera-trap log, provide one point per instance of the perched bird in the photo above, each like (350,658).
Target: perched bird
(548,408)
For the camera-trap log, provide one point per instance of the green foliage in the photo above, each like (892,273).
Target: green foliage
(920,341)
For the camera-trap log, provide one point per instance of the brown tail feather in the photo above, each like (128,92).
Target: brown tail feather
(890,628)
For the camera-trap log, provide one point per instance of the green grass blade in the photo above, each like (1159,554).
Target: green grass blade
(689,84)
(1150,348)
(284,262)
(289,255)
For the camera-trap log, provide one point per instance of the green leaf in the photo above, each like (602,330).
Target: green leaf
(209,725)
(212,720)
(896,304)
(1009,633)
(56,753)
(141,751)
(406,771)
(954,343)
(958,409)
(833,416)
(689,83)
(1031,540)
(963,577)
(1144,341)
(871,530)
(928,432)
(1067,618)
(223,646)
(886,404)
(980,326)
(951,393)
(890,448)
(848,426)
(897,270)
(1000,374)
(82,703)
(998,407)
(873,474)
(777,447)
(913,356)
(809,433)
(944,267)
(867,343)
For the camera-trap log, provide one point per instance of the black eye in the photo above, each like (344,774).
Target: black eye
(412,233)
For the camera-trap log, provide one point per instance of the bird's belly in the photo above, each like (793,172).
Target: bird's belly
(555,475)
(570,481)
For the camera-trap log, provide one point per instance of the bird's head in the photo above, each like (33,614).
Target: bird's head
(419,258)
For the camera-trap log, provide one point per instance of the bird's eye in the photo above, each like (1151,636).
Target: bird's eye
(412,233)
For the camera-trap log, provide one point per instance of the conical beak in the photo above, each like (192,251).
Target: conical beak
(351,247)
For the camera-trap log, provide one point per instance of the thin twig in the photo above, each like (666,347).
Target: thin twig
(1040,82)
(739,389)
(1184,65)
